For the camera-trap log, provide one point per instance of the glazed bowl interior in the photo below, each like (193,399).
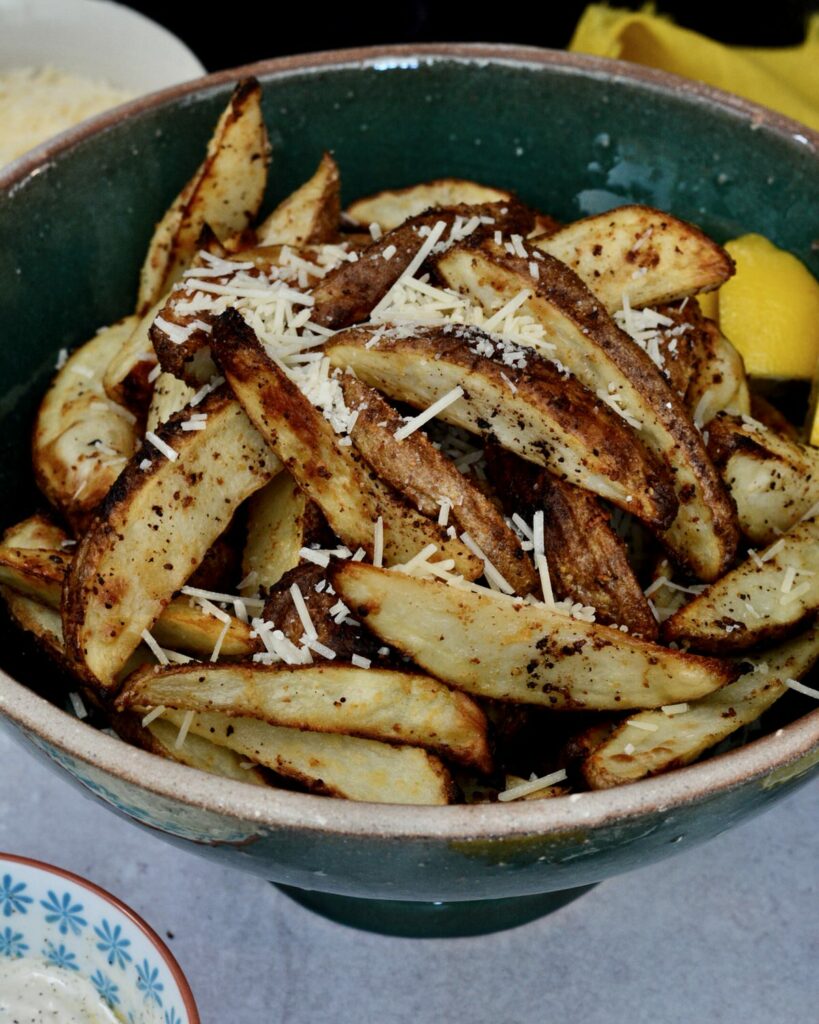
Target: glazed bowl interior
(571,135)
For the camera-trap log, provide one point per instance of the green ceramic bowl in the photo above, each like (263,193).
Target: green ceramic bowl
(572,135)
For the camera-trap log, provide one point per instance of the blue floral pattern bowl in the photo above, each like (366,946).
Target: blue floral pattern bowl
(49,914)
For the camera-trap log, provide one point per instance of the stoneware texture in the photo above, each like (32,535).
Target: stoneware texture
(572,135)
(52,915)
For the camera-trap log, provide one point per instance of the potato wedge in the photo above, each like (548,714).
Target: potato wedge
(328,472)
(159,737)
(126,379)
(671,741)
(348,294)
(170,395)
(549,420)
(587,561)
(494,647)
(701,364)
(763,598)
(40,575)
(154,529)
(281,520)
(312,214)
(82,440)
(773,480)
(334,626)
(380,704)
(343,766)
(579,333)
(44,624)
(392,207)
(37,532)
(426,477)
(641,252)
(225,193)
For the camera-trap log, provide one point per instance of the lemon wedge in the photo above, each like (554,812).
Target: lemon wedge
(770,310)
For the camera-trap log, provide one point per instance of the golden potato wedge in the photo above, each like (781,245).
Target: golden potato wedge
(587,561)
(127,378)
(154,529)
(763,598)
(312,214)
(427,478)
(225,193)
(43,622)
(328,472)
(40,575)
(348,294)
(380,704)
(281,520)
(579,333)
(170,395)
(640,252)
(343,766)
(392,207)
(701,365)
(81,440)
(773,480)
(159,737)
(492,646)
(36,532)
(543,417)
(658,742)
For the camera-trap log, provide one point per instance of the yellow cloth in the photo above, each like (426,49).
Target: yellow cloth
(785,79)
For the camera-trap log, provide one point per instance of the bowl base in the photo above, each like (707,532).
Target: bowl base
(416,920)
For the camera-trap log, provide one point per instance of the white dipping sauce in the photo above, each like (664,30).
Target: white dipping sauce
(34,992)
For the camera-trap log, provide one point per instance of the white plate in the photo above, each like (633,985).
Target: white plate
(94,38)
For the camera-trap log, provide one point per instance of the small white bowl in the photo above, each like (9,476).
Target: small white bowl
(58,917)
(97,39)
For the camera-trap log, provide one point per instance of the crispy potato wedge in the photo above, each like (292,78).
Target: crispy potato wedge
(82,440)
(762,599)
(494,647)
(42,622)
(126,378)
(380,704)
(641,252)
(348,294)
(225,193)
(312,214)
(671,741)
(579,333)
(426,477)
(587,560)
(281,520)
(546,419)
(335,628)
(701,364)
(170,395)
(154,529)
(392,207)
(36,532)
(180,333)
(343,766)
(773,480)
(159,737)
(329,473)
(40,575)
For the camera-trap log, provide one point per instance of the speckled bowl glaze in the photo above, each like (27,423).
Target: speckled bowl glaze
(66,921)
(572,135)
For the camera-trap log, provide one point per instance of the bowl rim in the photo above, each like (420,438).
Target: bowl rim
(161,947)
(277,808)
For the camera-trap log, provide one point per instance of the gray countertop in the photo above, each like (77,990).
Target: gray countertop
(726,932)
